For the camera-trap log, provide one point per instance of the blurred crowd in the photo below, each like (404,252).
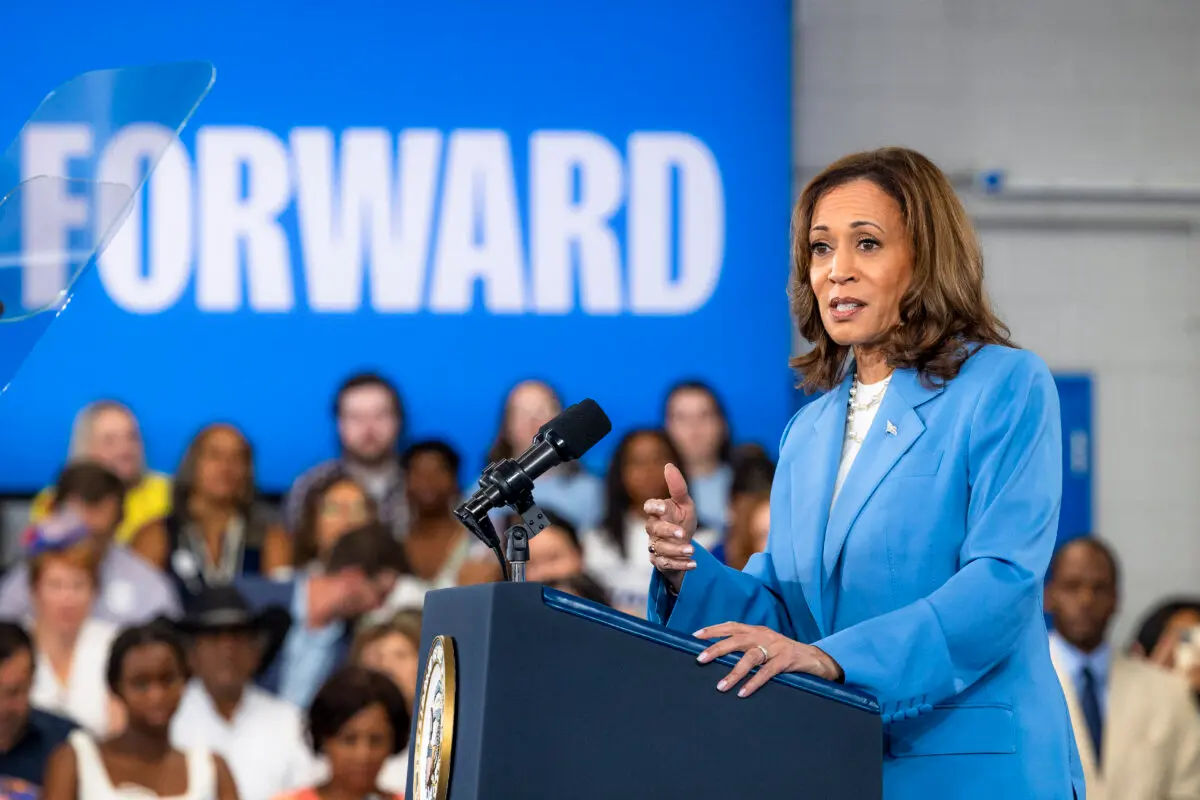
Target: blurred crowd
(277,619)
(276,645)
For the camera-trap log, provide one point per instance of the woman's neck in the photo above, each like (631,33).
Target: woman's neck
(149,744)
(58,646)
(702,467)
(870,365)
(212,516)
(432,519)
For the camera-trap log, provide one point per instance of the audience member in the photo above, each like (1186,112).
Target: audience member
(753,474)
(146,670)
(70,647)
(555,553)
(357,721)
(27,735)
(370,422)
(569,489)
(615,553)
(748,531)
(393,649)
(1170,638)
(333,506)
(1136,726)
(130,591)
(107,433)
(325,605)
(260,736)
(216,531)
(437,544)
(696,423)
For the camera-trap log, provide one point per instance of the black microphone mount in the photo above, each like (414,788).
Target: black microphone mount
(505,483)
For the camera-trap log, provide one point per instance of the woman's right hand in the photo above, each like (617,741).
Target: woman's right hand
(670,527)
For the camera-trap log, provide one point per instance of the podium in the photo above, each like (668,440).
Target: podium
(538,694)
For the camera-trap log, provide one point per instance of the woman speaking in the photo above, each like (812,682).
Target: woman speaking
(915,506)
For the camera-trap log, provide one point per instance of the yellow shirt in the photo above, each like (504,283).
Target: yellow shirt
(147,502)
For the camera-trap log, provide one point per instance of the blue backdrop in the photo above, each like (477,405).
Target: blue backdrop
(457,194)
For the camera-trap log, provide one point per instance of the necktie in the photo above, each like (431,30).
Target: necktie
(1089,700)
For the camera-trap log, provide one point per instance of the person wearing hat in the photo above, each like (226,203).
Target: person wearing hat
(259,735)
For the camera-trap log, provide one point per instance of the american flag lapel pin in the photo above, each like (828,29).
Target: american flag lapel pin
(891,429)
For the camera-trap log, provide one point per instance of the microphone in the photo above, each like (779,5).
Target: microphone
(509,482)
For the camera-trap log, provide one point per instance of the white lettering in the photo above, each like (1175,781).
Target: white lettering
(479,235)
(49,209)
(231,218)
(333,224)
(654,158)
(564,228)
(169,233)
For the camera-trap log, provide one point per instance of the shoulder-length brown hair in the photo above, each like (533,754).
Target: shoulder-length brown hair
(944,316)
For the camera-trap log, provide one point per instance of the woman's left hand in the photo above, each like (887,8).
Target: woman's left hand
(766,649)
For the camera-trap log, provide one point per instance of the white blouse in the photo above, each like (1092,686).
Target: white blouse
(94,783)
(84,697)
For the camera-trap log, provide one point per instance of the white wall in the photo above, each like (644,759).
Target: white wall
(1092,110)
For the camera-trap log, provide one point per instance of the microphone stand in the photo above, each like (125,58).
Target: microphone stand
(509,483)
(533,521)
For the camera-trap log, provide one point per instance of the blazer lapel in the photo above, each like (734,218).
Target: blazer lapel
(812,478)
(895,428)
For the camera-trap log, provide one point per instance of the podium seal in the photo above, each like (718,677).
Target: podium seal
(435,723)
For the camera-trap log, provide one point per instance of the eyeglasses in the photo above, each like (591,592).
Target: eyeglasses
(357,508)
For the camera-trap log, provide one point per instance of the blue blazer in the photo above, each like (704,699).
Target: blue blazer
(924,582)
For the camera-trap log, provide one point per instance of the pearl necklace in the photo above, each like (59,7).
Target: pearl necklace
(855,407)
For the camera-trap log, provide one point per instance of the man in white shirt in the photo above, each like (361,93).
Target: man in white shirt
(1136,725)
(260,736)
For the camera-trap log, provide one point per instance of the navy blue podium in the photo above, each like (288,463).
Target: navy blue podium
(556,697)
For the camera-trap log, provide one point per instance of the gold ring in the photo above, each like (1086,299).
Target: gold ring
(766,655)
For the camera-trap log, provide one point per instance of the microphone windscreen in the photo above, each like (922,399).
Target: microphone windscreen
(580,427)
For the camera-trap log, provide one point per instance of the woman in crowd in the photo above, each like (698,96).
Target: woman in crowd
(696,422)
(753,472)
(615,552)
(356,723)
(392,648)
(217,531)
(1170,637)
(568,489)
(335,505)
(555,553)
(437,545)
(147,672)
(107,432)
(71,647)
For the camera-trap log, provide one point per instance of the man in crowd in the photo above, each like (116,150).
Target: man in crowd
(130,591)
(370,421)
(27,736)
(1136,725)
(260,736)
(361,571)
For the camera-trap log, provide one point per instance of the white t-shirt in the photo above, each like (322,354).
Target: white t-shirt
(263,744)
(627,577)
(868,397)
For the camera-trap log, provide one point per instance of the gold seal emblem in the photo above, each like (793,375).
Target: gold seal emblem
(435,723)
